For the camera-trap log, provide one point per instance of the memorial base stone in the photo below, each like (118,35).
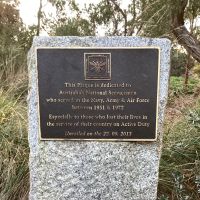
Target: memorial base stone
(93,170)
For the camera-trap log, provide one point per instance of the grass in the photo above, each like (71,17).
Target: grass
(180,164)
(14,173)
(178,88)
(13,148)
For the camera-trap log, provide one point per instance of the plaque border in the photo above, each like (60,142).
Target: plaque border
(94,139)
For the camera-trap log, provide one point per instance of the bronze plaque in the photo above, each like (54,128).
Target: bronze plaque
(108,94)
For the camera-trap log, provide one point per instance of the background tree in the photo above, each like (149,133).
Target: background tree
(168,18)
(160,18)
(182,34)
(15,39)
(107,14)
(63,24)
(149,18)
(178,61)
(12,30)
(10,24)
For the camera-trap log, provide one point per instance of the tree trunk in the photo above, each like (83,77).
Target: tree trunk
(184,37)
(123,13)
(187,69)
(39,18)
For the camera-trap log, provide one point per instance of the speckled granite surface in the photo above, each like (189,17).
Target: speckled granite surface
(70,170)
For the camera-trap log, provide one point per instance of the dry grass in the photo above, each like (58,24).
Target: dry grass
(14,173)
(13,148)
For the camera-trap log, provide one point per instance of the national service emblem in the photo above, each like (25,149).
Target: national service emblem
(97,66)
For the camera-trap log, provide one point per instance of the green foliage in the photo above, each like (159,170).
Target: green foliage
(156,18)
(180,161)
(141,17)
(101,13)
(194,118)
(65,25)
(163,197)
(14,173)
(193,9)
(12,30)
(73,27)
(178,62)
(9,27)
(9,22)
(59,4)
(178,88)
(15,40)
(197,70)
(106,13)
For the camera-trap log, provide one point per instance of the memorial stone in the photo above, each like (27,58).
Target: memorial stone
(96,110)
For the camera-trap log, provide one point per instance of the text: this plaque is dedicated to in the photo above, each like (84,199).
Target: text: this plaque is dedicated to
(98,93)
